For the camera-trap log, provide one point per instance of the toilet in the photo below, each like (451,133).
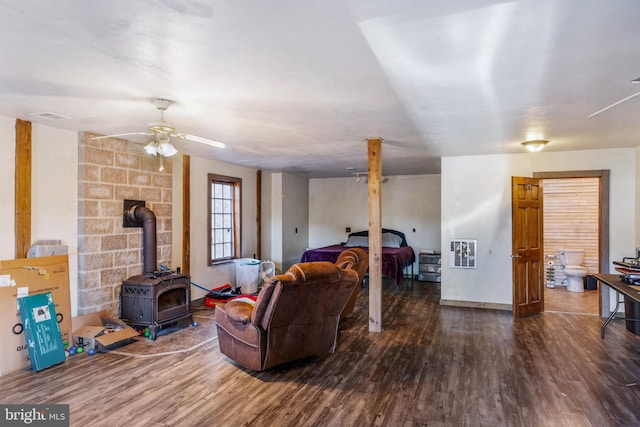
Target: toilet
(571,259)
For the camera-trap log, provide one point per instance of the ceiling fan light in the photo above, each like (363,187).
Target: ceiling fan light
(535,145)
(166,148)
(151,148)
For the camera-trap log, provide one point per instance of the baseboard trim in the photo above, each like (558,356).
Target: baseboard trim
(198,301)
(476,304)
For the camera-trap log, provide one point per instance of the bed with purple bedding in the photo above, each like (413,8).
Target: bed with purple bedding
(395,257)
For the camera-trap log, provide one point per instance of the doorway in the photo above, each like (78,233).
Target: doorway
(575,217)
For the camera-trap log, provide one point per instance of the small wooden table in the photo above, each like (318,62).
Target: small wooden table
(629,291)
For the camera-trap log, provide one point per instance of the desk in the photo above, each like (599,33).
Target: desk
(621,288)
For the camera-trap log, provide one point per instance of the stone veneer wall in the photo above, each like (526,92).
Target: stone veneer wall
(109,171)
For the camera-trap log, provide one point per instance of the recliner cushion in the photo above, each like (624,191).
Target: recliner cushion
(239,311)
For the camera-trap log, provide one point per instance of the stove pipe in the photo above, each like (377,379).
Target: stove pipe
(148,218)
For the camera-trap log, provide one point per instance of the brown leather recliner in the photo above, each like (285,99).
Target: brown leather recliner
(295,316)
(353,259)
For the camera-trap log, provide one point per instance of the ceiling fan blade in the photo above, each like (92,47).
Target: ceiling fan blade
(200,139)
(614,104)
(122,134)
(618,102)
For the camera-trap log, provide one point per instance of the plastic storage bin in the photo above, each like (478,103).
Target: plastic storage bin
(247,275)
(252,273)
(632,311)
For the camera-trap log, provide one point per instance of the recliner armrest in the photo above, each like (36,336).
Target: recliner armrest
(239,311)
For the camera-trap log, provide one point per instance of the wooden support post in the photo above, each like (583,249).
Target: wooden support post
(375,233)
(23,188)
(186,214)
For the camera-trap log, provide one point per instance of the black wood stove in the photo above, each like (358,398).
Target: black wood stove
(154,299)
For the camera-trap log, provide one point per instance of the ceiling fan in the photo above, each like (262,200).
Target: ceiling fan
(163,131)
(617,102)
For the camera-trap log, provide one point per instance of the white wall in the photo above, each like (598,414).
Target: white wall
(476,203)
(54,188)
(276,225)
(408,202)
(176,213)
(295,216)
(201,274)
(286,218)
(54,202)
(266,206)
(7,188)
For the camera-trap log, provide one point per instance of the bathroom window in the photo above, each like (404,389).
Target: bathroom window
(223,218)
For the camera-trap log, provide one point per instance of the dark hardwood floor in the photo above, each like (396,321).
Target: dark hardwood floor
(431,365)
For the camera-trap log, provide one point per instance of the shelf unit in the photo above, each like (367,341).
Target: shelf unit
(429,266)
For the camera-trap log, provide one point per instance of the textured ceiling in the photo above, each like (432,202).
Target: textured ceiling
(298,86)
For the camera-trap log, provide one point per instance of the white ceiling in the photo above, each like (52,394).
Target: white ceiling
(298,85)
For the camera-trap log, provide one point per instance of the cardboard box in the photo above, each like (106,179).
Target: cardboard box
(30,276)
(41,330)
(99,332)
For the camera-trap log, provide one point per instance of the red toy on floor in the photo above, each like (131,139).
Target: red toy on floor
(224,294)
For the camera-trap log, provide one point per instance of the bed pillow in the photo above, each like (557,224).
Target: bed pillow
(357,241)
(390,240)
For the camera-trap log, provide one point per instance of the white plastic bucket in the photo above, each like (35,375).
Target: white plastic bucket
(252,273)
(247,275)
